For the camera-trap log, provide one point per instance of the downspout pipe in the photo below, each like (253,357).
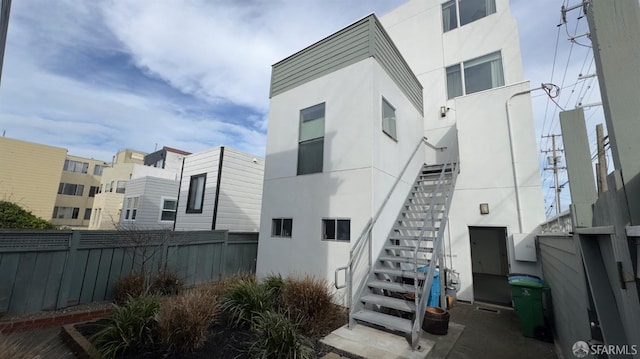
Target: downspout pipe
(513,150)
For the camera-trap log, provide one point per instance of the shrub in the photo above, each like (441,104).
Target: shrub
(278,337)
(244,300)
(130,326)
(132,285)
(12,216)
(166,283)
(221,287)
(274,283)
(311,300)
(184,320)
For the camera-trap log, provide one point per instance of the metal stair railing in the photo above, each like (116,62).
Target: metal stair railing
(365,239)
(421,297)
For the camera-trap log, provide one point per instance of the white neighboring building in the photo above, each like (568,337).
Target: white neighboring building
(475,103)
(151,196)
(220,189)
(336,144)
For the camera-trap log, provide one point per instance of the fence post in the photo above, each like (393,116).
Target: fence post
(223,256)
(67,274)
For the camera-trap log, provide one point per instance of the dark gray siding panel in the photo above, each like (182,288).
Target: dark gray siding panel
(563,271)
(392,61)
(361,40)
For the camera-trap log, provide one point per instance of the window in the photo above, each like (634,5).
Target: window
(389,119)
(479,74)
(65,212)
(469,11)
(87,213)
(93,190)
(97,170)
(122,185)
(71,189)
(336,229)
(168,211)
(159,163)
(76,166)
(131,208)
(107,187)
(196,193)
(449,16)
(311,140)
(281,227)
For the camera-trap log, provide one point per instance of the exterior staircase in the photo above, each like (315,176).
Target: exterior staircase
(398,284)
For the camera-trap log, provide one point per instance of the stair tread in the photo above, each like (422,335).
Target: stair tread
(390,302)
(392,286)
(400,236)
(403,259)
(408,248)
(399,273)
(384,320)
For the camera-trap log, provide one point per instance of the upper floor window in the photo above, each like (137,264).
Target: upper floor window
(131,208)
(76,166)
(196,193)
(65,212)
(311,140)
(93,190)
(71,189)
(87,213)
(121,186)
(469,11)
(389,119)
(97,170)
(168,211)
(475,75)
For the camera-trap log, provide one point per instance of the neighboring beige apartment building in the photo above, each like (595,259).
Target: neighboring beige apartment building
(107,203)
(30,174)
(79,184)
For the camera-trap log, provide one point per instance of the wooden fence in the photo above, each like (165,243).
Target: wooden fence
(45,270)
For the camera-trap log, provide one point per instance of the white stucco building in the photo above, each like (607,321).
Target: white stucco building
(346,114)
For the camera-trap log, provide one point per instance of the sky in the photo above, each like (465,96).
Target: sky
(97,76)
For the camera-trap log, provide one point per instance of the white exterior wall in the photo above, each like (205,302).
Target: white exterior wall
(360,166)
(195,164)
(140,171)
(173,163)
(486,170)
(151,192)
(240,197)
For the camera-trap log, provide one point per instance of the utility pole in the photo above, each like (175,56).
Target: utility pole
(601,166)
(554,162)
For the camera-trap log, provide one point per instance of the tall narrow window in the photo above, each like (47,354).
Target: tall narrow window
(449,16)
(87,213)
(389,119)
(93,190)
(454,81)
(169,207)
(311,140)
(196,193)
(131,208)
(483,73)
(97,170)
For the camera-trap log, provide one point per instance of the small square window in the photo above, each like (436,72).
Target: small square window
(169,208)
(336,230)
(281,227)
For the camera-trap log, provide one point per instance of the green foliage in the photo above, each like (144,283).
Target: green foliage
(244,300)
(184,320)
(311,300)
(131,326)
(274,283)
(166,283)
(278,337)
(12,216)
(132,285)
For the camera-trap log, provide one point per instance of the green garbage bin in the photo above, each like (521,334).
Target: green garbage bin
(527,294)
